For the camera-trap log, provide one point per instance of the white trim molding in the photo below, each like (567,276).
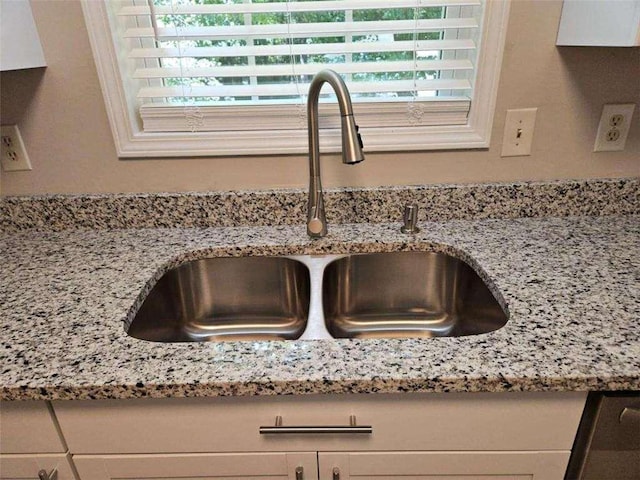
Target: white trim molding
(141,132)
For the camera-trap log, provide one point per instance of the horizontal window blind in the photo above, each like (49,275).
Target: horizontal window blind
(215,64)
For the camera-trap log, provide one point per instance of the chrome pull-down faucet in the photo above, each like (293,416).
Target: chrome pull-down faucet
(351,145)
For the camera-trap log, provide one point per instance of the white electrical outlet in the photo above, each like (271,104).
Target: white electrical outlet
(14,155)
(614,127)
(518,132)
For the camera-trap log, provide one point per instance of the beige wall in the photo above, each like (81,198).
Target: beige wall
(61,115)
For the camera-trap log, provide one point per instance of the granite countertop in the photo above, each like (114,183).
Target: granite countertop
(571,285)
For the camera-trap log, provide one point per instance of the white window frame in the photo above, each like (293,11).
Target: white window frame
(132,142)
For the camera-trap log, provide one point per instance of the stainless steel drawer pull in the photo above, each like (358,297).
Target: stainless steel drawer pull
(43,475)
(316,429)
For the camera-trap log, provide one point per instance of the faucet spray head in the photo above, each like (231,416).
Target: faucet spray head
(351,141)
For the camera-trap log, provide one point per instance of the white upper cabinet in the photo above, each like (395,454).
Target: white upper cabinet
(19,41)
(600,23)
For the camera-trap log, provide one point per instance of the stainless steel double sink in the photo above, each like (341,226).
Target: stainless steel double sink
(374,295)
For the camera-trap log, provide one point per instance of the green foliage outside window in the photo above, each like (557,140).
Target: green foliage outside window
(366,15)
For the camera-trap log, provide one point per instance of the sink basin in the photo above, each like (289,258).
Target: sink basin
(407,294)
(377,295)
(244,298)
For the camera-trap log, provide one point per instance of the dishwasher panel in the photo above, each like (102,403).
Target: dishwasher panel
(607,445)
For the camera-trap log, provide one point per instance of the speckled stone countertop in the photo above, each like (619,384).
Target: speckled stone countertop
(571,285)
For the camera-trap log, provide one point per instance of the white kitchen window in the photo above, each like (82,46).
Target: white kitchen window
(230,77)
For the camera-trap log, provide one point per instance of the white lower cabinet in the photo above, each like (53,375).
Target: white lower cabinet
(327,466)
(30,443)
(442,465)
(407,436)
(274,466)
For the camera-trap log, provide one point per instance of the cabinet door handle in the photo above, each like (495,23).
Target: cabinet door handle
(335,474)
(299,473)
(278,428)
(43,475)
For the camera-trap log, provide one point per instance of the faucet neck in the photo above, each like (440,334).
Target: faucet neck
(351,148)
(351,145)
(339,87)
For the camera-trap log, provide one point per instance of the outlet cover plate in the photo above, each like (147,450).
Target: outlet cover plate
(518,132)
(13,155)
(613,129)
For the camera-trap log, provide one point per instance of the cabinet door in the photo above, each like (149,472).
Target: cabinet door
(19,41)
(18,467)
(28,427)
(599,23)
(443,465)
(199,466)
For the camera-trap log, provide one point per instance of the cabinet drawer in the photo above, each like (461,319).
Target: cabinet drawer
(28,427)
(466,421)
(15,467)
